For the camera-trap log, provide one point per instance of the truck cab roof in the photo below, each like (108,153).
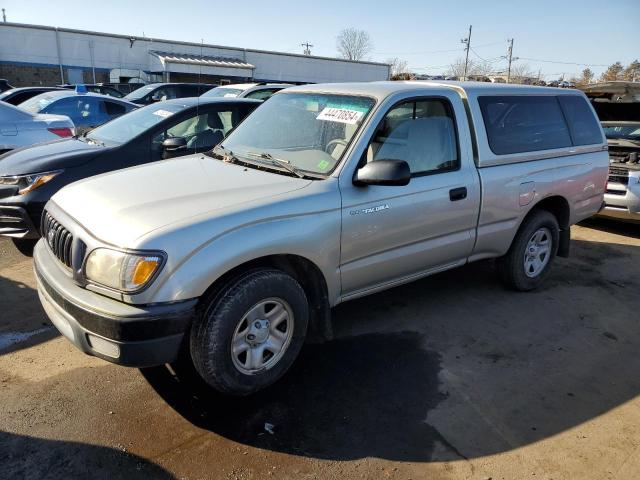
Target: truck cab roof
(381,90)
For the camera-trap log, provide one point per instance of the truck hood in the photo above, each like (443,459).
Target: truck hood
(45,157)
(122,206)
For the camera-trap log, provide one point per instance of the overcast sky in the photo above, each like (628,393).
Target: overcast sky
(425,34)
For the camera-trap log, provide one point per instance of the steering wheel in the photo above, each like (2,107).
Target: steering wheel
(333,143)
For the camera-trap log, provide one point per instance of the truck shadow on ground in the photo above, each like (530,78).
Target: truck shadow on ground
(349,398)
(30,457)
(23,322)
(512,368)
(613,226)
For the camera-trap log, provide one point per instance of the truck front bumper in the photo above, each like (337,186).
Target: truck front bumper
(131,335)
(623,202)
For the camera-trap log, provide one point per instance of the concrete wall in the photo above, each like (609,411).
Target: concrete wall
(39,50)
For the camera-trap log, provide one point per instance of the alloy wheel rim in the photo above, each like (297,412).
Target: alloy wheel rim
(537,252)
(262,336)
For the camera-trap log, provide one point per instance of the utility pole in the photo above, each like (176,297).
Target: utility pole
(511,58)
(307,48)
(467,42)
(4,16)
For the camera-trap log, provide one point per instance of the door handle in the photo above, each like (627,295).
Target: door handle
(458,194)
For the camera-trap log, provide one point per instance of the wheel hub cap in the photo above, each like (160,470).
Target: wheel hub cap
(258,332)
(262,336)
(537,252)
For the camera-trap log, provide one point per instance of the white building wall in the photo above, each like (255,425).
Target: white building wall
(37,46)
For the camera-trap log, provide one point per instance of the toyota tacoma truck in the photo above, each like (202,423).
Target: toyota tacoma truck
(326,193)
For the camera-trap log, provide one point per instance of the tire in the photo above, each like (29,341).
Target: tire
(264,296)
(516,269)
(25,246)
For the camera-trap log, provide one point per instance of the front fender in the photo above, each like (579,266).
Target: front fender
(315,237)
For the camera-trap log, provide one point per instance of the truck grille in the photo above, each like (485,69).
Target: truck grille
(619,175)
(58,238)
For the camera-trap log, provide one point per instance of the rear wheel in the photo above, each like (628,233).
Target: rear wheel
(248,335)
(529,259)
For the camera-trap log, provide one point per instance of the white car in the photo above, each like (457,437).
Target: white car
(19,128)
(257,91)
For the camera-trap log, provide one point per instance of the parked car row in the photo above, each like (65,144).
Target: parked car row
(89,106)
(239,224)
(29,177)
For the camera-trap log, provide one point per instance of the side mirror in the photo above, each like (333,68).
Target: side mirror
(174,147)
(383,172)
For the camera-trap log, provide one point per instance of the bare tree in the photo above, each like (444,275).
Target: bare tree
(456,69)
(521,73)
(613,72)
(399,68)
(483,68)
(474,68)
(354,44)
(586,78)
(632,72)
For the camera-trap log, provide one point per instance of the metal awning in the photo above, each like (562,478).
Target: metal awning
(201,60)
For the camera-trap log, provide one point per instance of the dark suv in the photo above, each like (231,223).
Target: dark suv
(158,92)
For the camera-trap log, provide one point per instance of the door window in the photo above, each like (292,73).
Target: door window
(202,132)
(165,93)
(519,123)
(420,132)
(262,94)
(114,109)
(81,109)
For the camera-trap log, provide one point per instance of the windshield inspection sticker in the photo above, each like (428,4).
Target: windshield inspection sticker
(341,115)
(323,164)
(163,113)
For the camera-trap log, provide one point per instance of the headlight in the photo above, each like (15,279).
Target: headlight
(127,272)
(27,183)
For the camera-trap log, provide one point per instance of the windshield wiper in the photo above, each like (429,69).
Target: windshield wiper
(278,162)
(224,153)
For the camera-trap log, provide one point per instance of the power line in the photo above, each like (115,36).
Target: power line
(565,63)
(423,52)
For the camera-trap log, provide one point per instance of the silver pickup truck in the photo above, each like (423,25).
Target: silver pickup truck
(326,193)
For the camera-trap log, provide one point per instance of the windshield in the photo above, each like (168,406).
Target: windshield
(39,102)
(222,92)
(309,131)
(126,127)
(140,92)
(629,132)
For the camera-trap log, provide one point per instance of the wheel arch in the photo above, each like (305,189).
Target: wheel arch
(306,272)
(559,207)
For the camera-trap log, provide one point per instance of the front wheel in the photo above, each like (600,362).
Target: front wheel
(528,261)
(248,335)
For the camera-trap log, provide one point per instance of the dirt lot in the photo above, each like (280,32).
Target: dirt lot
(449,377)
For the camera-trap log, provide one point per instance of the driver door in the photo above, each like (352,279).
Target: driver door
(396,233)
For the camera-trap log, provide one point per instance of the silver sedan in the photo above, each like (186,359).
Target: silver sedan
(20,129)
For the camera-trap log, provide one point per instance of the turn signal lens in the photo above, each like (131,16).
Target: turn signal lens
(144,270)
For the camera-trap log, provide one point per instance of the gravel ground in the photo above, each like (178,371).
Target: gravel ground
(449,377)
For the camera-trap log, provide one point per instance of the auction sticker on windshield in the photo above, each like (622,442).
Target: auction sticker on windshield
(341,115)
(163,113)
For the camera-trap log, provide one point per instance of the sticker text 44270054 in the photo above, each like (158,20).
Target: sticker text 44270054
(341,115)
